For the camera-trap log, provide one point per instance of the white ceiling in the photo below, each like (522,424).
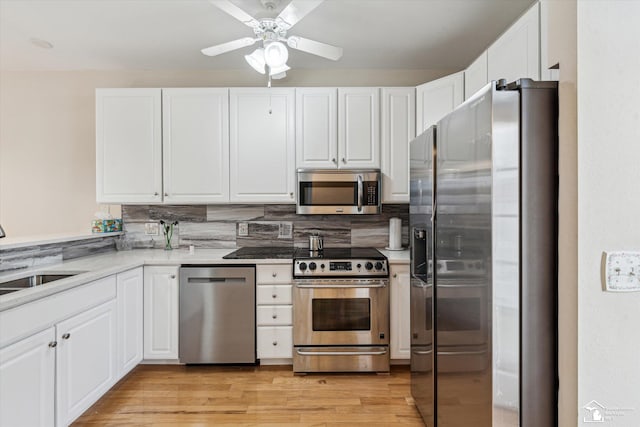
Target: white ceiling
(168,34)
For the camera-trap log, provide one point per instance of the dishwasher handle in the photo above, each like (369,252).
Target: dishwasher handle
(201,280)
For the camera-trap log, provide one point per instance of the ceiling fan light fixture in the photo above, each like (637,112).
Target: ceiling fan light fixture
(276,54)
(256,60)
(274,71)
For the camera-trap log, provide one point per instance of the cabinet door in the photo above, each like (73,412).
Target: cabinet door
(195,138)
(438,98)
(27,381)
(262,135)
(358,127)
(316,128)
(516,54)
(130,294)
(475,76)
(161,313)
(400,312)
(128,146)
(86,360)
(398,129)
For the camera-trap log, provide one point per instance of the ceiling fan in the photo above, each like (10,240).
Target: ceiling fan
(273,54)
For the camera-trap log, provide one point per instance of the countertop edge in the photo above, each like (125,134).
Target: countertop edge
(96,267)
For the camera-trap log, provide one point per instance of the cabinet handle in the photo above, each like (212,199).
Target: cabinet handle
(66,336)
(291,195)
(166,194)
(344,161)
(275,316)
(395,275)
(173,276)
(274,274)
(274,296)
(53,344)
(334,160)
(155,194)
(275,343)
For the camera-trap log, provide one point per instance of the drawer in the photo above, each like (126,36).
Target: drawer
(275,342)
(274,315)
(274,273)
(273,294)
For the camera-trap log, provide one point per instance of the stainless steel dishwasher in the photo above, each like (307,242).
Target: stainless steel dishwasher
(217,314)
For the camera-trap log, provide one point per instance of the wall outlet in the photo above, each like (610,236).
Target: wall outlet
(622,271)
(151,229)
(285,230)
(243,229)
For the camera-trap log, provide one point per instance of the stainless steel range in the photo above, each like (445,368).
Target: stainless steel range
(341,310)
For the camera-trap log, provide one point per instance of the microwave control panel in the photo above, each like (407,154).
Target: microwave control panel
(371,193)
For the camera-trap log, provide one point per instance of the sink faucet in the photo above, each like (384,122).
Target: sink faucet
(2,232)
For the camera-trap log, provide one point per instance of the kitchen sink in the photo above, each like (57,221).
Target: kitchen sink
(33,280)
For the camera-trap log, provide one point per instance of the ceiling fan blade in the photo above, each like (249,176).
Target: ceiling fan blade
(228,46)
(295,11)
(236,12)
(314,47)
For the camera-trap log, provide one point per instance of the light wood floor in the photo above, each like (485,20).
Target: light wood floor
(155,395)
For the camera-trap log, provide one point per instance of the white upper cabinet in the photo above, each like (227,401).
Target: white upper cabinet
(475,76)
(195,130)
(359,127)
(437,98)
(316,127)
(262,135)
(398,127)
(128,146)
(516,54)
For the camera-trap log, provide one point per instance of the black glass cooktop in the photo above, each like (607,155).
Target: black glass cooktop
(266,252)
(339,253)
(270,252)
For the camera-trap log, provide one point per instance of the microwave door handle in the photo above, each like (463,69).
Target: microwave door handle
(360,193)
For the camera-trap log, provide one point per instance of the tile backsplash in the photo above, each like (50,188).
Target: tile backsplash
(216,226)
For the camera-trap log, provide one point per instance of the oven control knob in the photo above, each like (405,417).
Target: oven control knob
(322,266)
(303,266)
(359,266)
(378,265)
(312,266)
(368,266)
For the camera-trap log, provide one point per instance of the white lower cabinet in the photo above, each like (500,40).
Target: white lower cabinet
(27,381)
(161,313)
(274,316)
(400,316)
(85,360)
(130,309)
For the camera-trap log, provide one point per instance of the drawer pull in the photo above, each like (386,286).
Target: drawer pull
(275,316)
(274,274)
(53,344)
(275,343)
(274,296)
(66,336)
(395,275)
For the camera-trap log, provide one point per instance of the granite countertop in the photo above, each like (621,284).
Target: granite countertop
(96,267)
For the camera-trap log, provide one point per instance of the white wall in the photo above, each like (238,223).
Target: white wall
(609,202)
(559,19)
(47,134)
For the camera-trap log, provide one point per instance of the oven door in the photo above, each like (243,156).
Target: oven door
(462,311)
(341,312)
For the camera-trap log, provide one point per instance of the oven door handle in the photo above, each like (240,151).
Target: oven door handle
(422,352)
(462,353)
(341,353)
(374,285)
(360,193)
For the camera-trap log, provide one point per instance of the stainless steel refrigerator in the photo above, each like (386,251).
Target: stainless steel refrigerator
(483,224)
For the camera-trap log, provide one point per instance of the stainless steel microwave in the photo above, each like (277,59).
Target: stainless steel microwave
(350,192)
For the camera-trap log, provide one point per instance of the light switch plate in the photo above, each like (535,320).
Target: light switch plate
(151,228)
(622,271)
(243,229)
(285,230)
